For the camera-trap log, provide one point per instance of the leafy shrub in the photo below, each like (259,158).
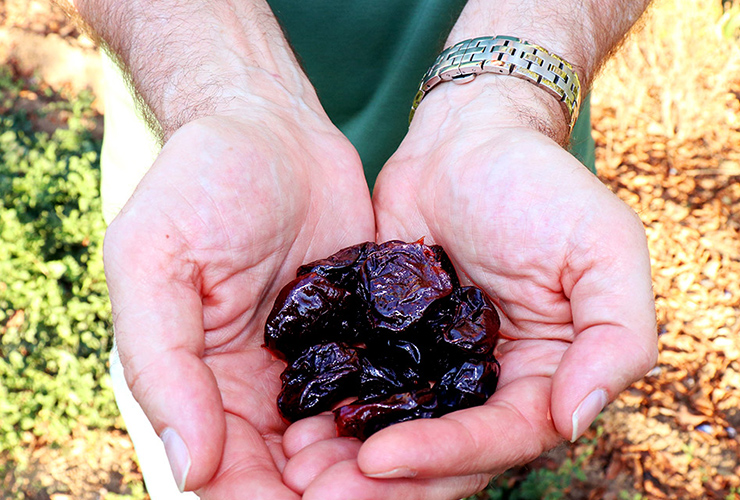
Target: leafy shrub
(55,329)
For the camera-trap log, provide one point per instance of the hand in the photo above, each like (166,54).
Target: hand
(566,262)
(232,206)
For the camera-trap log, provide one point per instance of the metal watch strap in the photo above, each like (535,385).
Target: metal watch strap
(505,55)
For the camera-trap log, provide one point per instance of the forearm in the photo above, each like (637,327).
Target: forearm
(188,59)
(583,32)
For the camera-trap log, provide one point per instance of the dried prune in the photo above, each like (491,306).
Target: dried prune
(378,380)
(342,267)
(400,281)
(362,419)
(469,384)
(388,323)
(308,310)
(474,318)
(323,376)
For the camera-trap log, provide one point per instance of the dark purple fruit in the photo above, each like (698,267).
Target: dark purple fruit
(308,310)
(470,384)
(380,380)
(475,323)
(389,324)
(320,378)
(362,419)
(399,281)
(342,267)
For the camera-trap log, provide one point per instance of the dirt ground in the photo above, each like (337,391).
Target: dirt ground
(667,128)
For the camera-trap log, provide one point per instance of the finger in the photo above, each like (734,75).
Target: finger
(158,324)
(513,427)
(614,323)
(306,432)
(247,470)
(345,480)
(312,460)
(616,357)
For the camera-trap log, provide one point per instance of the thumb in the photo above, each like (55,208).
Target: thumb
(603,361)
(615,331)
(158,322)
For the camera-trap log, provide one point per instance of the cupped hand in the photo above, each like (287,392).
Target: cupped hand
(567,264)
(231,207)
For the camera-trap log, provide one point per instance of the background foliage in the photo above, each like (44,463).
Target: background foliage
(54,316)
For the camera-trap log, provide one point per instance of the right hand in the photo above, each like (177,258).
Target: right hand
(565,261)
(231,207)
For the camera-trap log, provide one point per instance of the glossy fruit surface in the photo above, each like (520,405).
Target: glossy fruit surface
(390,324)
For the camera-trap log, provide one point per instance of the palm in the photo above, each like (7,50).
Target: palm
(524,220)
(216,228)
(510,224)
(510,217)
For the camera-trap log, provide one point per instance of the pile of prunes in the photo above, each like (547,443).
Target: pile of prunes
(388,324)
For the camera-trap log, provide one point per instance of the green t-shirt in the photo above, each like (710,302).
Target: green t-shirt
(366,59)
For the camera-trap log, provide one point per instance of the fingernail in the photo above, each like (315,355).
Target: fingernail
(177,454)
(395,473)
(587,411)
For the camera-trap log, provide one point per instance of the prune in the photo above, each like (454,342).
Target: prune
(342,267)
(445,262)
(389,324)
(308,310)
(470,384)
(323,376)
(400,281)
(474,318)
(362,419)
(378,380)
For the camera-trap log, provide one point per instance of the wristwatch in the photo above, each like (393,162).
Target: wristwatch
(505,55)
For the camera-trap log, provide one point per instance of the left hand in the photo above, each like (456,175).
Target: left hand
(565,260)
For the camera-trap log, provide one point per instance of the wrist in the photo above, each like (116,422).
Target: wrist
(248,92)
(492,101)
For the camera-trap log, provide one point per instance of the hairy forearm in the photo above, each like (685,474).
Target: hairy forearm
(192,58)
(583,32)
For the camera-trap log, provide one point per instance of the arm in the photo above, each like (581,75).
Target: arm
(582,33)
(192,59)
(235,202)
(482,172)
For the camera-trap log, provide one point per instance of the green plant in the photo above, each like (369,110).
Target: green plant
(730,22)
(54,316)
(689,449)
(626,495)
(544,484)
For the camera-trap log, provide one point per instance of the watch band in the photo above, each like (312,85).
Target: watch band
(505,55)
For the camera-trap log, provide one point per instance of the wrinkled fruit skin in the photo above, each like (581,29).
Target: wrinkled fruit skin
(389,324)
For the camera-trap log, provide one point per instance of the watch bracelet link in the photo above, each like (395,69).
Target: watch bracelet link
(505,55)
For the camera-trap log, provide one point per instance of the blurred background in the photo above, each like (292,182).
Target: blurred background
(666,117)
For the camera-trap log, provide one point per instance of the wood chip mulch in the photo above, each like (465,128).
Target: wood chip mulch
(675,432)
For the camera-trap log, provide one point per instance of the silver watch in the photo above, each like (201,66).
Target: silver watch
(505,55)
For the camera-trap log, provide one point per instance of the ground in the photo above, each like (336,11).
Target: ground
(667,127)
